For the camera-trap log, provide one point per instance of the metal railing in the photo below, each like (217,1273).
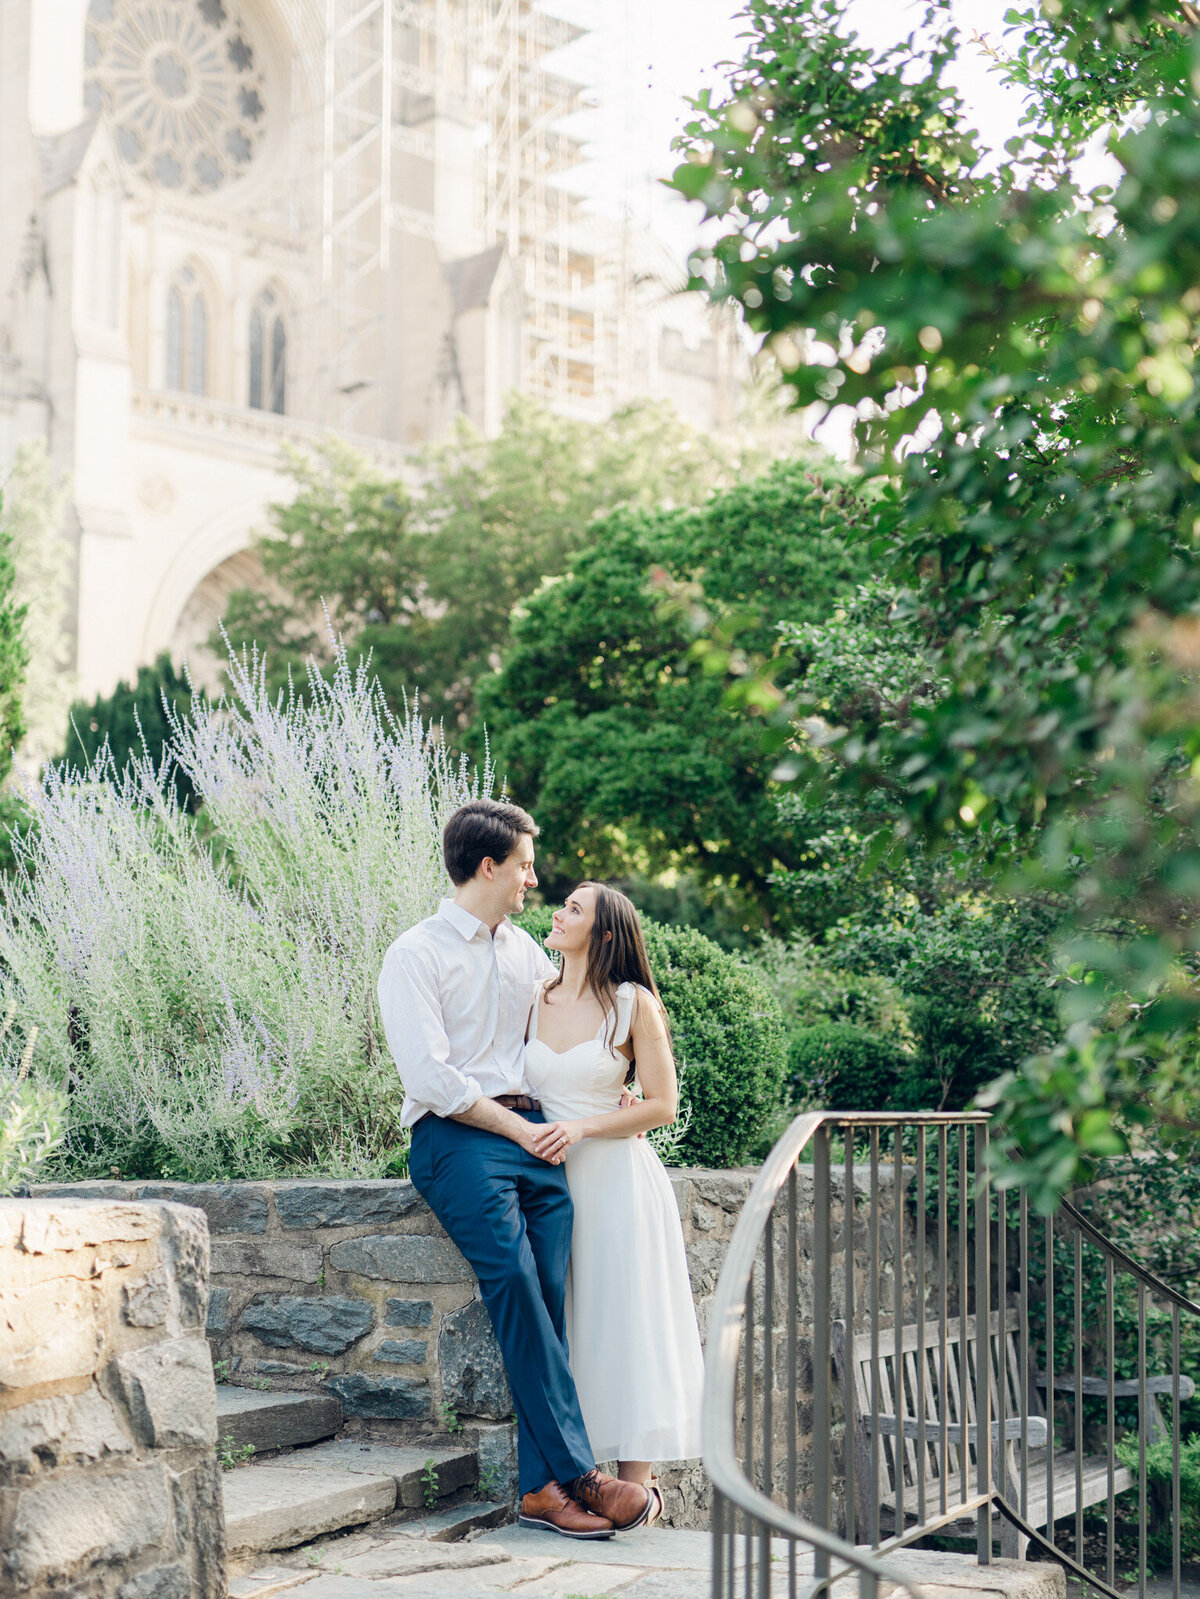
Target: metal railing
(878,1358)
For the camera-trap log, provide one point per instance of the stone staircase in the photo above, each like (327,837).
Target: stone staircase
(313,1485)
(323,1517)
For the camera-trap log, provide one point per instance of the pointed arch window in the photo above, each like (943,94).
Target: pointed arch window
(268,355)
(186,365)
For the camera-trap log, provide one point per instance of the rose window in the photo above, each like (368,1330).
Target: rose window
(182,84)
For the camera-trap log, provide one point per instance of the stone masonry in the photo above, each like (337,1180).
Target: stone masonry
(353,1288)
(109,1487)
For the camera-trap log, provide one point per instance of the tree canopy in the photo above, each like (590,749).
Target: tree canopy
(133,722)
(1020,354)
(631,762)
(424,574)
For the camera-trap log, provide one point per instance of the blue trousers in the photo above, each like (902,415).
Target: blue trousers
(510,1214)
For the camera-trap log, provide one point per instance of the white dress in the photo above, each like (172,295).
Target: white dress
(631,1323)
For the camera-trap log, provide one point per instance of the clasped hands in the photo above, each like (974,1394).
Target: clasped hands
(551,1140)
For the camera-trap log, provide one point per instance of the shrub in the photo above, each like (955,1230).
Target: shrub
(728,1038)
(1158,1483)
(809,990)
(957,1053)
(837,1066)
(203,986)
(31,1128)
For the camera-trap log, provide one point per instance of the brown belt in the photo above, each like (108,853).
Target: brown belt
(518,1101)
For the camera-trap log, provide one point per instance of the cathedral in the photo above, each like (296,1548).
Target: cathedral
(232,225)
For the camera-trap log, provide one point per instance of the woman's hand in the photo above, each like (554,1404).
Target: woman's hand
(552,1140)
(628,1100)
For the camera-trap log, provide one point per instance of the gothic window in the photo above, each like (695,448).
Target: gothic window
(256,360)
(278,366)
(182,85)
(186,365)
(268,355)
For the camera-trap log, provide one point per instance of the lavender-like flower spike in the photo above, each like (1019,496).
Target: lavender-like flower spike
(205,984)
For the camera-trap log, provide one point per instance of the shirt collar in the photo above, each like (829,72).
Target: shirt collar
(463,922)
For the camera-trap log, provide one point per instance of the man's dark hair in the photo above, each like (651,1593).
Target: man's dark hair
(481,828)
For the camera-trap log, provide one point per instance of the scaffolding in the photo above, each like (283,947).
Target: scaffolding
(390,66)
(356,160)
(523,102)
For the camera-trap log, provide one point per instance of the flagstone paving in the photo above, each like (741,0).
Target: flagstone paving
(396,1562)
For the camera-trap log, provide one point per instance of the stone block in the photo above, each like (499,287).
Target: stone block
(496,1456)
(185,1239)
(399,1259)
(146,1303)
(160,1582)
(200,1524)
(170,1393)
(326,1325)
(229,1207)
(409,1313)
(92,1430)
(51,1331)
(402,1351)
(297,1263)
(53,1227)
(67,1524)
(277,1506)
(217,1320)
(349,1204)
(275,1421)
(385,1398)
(473,1376)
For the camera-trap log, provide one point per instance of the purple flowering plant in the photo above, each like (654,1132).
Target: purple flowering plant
(200,989)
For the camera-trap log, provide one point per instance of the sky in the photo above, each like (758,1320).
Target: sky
(645,57)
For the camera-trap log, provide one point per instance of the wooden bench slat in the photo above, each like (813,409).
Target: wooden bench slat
(1013,1429)
(949,1376)
(1124,1388)
(1095,1490)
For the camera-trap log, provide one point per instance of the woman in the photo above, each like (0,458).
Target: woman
(631,1323)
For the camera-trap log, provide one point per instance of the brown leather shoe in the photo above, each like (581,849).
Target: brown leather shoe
(554,1509)
(625,1504)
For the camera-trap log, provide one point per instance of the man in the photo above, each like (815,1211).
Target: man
(455,993)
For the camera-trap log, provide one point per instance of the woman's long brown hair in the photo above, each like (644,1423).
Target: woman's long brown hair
(616,959)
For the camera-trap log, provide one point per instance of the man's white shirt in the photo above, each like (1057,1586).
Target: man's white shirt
(455,1001)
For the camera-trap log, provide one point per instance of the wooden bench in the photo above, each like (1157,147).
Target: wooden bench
(897,1402)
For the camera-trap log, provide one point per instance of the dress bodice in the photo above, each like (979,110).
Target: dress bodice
(589,1078)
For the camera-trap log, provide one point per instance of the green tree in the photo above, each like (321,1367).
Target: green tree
(1039,343)
(33,510)
(14,653)
(424,575)
(134,720)
(631,762)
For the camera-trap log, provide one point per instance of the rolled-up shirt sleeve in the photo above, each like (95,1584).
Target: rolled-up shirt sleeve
(412,1020)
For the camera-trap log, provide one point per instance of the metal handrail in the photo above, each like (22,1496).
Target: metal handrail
(732,1335)
(1155,1284)
(720,1368)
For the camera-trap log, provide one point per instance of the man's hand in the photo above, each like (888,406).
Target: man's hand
(493,1118)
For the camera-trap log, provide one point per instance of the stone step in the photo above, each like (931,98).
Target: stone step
(278,1506)
(451,1526)
(422,1474)
(328,1487)
(275,1421)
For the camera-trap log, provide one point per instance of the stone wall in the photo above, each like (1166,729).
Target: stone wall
(353,1288)
(109,1486)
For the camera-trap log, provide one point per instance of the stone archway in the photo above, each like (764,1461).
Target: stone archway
(197,621)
